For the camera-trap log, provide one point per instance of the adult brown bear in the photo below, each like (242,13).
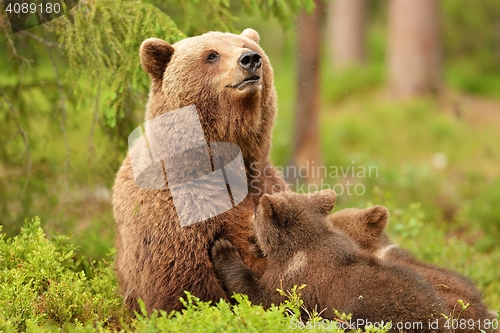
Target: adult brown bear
(229,81)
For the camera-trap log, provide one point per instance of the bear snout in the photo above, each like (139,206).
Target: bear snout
(250,61)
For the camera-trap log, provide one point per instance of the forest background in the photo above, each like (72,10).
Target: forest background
(410,89)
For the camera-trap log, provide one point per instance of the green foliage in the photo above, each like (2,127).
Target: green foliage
(224,13)
(101,41)
(284,11)
(73,89)
(470,30)
(466,76)
(51,101)
(471,44)
(337,86)
(44,290)
(186,15)
(293,302)
(42,283)
(223,317)
(483,209)
(242,316)
(406,223)
(433,243)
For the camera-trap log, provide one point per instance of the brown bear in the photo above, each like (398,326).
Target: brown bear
(302,248)
(366,227)
(228,80)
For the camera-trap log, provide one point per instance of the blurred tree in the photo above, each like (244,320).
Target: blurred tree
(414,46)
(307,150)
(347,32)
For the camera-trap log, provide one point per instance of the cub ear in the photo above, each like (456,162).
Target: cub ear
(251,34)
(323,201)
(155,56)
(376,219)
(272,205)
(267,206)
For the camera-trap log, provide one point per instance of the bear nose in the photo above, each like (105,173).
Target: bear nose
(250,61)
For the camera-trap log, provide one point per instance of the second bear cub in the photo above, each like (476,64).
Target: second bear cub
(366,227)
(302,248)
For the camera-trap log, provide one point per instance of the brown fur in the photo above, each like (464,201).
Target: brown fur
(366,227)
(157,259)
(302,248)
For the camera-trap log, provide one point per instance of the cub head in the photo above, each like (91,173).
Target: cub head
(227,76)
(365,226)
(286,222)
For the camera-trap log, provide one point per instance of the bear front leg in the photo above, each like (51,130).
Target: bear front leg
(235,275)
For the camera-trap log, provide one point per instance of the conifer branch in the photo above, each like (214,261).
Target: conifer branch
(24,134)
(40,39)
(62,108)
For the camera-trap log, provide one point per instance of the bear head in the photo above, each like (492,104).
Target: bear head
(287,222)
(228,78)
(364,226)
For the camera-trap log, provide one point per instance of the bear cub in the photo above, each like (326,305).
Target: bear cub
(301,247)
(366,227)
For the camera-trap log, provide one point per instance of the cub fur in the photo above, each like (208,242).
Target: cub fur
(302,248)
(366,227)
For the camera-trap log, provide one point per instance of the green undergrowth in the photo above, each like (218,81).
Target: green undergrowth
(42,283)
(437,244)
(44,289)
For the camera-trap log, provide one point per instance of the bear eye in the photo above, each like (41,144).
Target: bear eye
(212,57)
(287,220)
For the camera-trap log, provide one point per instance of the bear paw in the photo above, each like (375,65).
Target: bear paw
(223,251)
(254,248)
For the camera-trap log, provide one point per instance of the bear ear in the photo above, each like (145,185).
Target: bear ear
(251,34)
(267,206)
(272,205)
(376,219)
(155,56)
(278,209)
(323,201)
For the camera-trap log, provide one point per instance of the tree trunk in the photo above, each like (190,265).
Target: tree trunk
(307,151)
(414,47)
(347,32)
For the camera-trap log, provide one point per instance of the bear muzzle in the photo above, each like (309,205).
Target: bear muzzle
(253,80)
(250,62)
